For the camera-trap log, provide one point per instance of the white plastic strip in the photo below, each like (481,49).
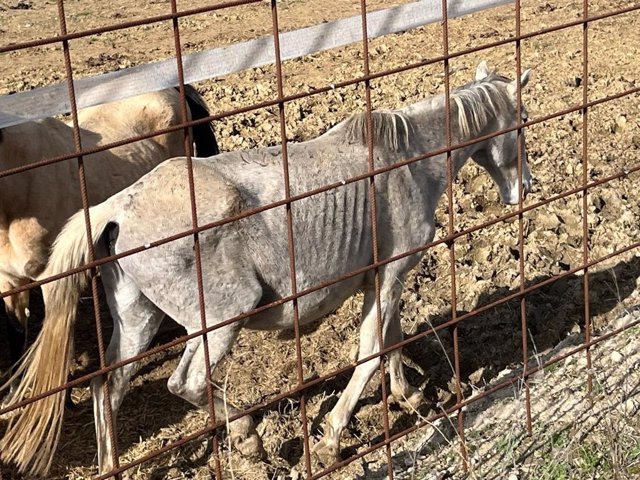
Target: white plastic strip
(53,100)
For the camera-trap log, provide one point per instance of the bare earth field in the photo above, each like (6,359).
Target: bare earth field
(574,436)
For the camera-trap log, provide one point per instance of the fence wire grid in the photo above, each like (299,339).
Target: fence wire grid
(216,426)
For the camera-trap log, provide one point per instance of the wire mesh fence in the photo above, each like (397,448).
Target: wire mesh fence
(303,381)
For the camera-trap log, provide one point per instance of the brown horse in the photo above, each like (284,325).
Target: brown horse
(35,204)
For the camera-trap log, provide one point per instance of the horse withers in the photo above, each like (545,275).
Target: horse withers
(245,263)
(35,204)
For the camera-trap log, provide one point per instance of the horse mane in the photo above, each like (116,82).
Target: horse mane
(478,101)
(391,130)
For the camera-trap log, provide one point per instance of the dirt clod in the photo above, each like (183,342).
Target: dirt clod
(487,262)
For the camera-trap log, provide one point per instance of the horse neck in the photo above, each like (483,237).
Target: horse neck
(429,120)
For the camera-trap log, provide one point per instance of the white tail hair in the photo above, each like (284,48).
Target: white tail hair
(32,436)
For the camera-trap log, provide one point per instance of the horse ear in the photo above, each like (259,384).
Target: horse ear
(482,71)
(524,79)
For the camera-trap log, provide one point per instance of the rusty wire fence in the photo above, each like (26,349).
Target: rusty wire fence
(216,425)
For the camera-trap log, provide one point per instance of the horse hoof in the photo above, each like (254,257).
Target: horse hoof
(327,453)
(251,447)
(411,403)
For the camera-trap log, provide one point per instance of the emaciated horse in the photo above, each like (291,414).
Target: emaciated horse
(35,204)
(245,262)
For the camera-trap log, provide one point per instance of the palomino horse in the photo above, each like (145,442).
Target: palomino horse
(35,204)
(245,262)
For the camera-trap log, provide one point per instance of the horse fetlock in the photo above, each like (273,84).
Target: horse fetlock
(105,459)
(193,388)
(245,438)
(410,398)
(179,387)
(175,385)
(327,451)
(250,447)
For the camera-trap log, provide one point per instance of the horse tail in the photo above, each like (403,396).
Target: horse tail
(203,136)
(32,436)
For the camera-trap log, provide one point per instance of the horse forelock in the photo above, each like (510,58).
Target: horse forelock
(390,130)
(478,101)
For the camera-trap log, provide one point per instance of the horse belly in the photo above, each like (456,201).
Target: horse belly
(311,307)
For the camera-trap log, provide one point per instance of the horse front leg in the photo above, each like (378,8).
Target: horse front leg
(328,449)
(406,395)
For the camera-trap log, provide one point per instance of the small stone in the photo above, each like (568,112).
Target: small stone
(476,376)
(616,356)
(629,407)
(22,5)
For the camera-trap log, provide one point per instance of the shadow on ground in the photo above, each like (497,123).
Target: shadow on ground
(489,342)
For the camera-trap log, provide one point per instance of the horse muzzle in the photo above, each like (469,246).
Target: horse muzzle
(510,195)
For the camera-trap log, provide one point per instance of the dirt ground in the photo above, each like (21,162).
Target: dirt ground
(262,365)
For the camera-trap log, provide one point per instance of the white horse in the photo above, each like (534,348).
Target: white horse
(35,204)
(245,263)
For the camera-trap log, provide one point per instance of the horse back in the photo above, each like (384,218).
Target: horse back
(140,115)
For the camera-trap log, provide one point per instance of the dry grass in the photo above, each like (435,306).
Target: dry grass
(575,435)
(262,365)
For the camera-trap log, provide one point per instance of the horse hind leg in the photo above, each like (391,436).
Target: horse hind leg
(189,381)
(135,322)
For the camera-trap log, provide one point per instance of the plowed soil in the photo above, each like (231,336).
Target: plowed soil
(263,365)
